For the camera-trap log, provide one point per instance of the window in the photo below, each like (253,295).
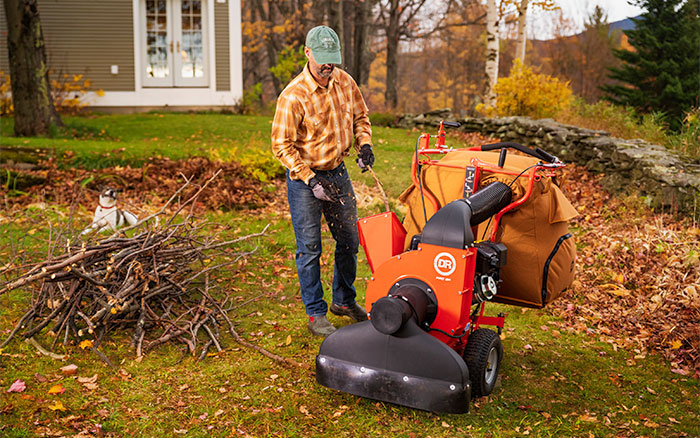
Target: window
(175,51)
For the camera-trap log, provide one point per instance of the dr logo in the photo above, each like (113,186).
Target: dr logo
(444,264)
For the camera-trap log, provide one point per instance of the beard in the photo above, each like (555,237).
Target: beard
(325,71)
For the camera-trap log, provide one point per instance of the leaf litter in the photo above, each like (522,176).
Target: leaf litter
(638,275)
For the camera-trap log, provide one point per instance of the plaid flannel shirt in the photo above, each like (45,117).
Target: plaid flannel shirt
(314,126)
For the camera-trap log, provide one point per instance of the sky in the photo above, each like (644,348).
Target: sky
(541,27)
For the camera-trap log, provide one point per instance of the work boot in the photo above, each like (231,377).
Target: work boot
(320,326)
(354,311)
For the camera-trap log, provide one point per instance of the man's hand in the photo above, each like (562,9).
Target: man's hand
(365,159)
(324,189)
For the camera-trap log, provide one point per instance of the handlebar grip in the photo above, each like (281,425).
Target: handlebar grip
(538,153)
(546,155)
(451,124)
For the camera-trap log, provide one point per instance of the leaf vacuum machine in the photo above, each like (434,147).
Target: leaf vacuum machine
(472,235)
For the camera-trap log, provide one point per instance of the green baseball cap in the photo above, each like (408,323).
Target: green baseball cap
(324,44)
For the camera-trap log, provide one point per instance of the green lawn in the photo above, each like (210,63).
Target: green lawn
(557,380)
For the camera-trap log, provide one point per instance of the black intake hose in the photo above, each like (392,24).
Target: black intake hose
(489,201)
(391,312)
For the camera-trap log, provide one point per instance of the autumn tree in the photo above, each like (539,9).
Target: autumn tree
(396,21)
(31,90)
(662,72)
(274,30)
(352,20)
(596,44)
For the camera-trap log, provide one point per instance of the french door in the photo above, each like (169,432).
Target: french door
(175,43)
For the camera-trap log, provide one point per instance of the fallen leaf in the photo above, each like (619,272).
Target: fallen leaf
(40,378)
(180,431)
(203,416)
(87,343)
(58,406)
(219,412)
(651,424)
(91,386)
(527,347)
(92,379)
(445,424)
(303,410)
(57,389)
(69,369)
(675,345)
(651,390)
(588,418)
(289,340)
(17,386)
(673,420)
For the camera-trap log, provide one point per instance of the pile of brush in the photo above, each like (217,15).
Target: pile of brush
(155,283)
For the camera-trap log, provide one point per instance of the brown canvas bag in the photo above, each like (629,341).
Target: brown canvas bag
(541,251)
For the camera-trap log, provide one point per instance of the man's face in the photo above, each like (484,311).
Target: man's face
(319,70)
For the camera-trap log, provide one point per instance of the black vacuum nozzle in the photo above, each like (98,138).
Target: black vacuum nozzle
(389,313)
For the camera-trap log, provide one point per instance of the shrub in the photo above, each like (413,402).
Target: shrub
(688,139)
(256,159)
(623,122)
(6,108)
(290,61)
(383,119)
(528,93)
(250,103)
(68,93)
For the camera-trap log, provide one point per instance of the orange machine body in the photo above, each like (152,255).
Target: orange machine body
(447,272)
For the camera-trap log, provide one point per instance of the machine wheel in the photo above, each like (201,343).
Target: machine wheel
(483,357)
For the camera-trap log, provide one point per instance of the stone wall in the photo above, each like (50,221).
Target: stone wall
(629,166)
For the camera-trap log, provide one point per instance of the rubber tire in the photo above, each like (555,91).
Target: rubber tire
(480,344)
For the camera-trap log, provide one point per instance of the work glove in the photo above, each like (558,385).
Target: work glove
(365,159)
(324,189)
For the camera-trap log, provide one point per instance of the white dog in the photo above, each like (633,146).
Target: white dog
(107,215)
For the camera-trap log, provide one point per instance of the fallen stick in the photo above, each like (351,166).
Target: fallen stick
(380,186)
(44,351)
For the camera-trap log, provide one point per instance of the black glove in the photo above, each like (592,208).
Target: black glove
(324,189)
(365,159)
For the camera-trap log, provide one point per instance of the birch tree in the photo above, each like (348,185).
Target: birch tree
(545,5)
(522,34)
(492,43)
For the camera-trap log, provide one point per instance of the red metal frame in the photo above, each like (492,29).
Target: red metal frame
(455,290)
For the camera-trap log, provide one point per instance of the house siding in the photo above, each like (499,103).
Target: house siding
(221,43)
(86,37)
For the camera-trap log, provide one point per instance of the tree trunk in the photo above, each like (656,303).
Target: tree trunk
(361,42)
(491,70)
(522,34)
(392,49)
(338,23)
(29,73)
(271,49)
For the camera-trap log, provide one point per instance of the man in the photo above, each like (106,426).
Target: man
(320,115)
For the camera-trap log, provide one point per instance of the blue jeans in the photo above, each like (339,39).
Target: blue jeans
(341,218)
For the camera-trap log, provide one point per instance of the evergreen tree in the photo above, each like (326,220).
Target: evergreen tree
(662,73)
